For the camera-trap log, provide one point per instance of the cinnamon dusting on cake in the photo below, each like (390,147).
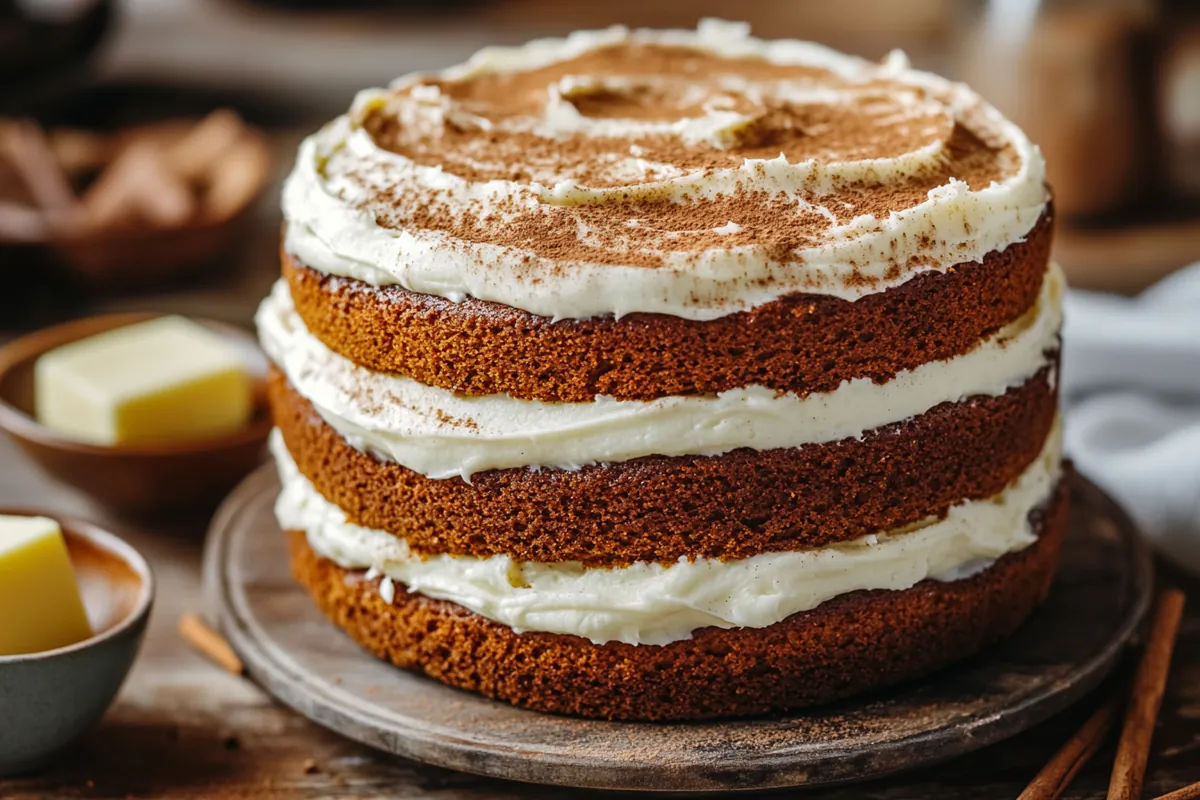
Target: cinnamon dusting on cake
(488,127)
(455,422)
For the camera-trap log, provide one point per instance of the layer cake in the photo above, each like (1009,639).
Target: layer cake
(669,375)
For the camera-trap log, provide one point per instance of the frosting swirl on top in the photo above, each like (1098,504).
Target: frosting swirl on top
(687,173)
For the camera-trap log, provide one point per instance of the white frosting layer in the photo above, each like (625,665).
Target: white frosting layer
(343,184)
(656,604)
(441,435)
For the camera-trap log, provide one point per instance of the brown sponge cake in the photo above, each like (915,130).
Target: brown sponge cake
(802,343)
(658,509)
(669,375)
(857,641)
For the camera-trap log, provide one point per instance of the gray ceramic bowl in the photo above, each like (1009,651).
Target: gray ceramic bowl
(49,699)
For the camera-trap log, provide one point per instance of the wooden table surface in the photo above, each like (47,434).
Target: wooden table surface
(182,728)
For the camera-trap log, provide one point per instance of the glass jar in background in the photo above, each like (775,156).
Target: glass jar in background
(1077,75)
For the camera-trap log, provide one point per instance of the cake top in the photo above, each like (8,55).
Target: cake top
(695,173)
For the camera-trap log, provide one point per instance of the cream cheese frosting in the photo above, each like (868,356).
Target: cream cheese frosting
(692,173)
(655,604)
(442,435)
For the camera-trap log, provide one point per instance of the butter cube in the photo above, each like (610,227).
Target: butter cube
(165,380)
(40,607)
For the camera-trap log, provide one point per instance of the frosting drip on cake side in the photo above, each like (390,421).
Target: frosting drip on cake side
(657,604)
(688,173)
(443,435)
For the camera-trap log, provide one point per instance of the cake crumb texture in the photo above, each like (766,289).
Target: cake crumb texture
(858,641)
(801,343)
(660,508)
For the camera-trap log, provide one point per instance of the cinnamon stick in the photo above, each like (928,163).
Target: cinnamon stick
(1058,773)
(137,186)
(1186,793)
(31,156)
(236,178)
(20,223)
(196,632)
(205,144)
(80,151)
(1129,767)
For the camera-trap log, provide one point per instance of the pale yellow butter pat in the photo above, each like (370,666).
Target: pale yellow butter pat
(165,380)
(40,607)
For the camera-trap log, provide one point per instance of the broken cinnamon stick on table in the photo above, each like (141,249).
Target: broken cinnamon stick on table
(1057,775)
(1191,792)
(196,632)
(1129,767)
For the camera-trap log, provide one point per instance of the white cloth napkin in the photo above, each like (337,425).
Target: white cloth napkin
(1131,387)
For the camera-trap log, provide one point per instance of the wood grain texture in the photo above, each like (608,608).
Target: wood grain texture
(1062,653)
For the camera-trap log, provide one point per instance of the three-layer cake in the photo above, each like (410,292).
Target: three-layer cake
(669,375)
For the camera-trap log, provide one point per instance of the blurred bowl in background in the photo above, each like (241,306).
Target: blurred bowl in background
(132,257)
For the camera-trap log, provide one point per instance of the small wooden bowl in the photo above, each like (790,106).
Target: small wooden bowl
(145,481)
(48,699)
(124,259)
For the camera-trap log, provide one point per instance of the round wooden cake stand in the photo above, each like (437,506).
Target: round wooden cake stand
(1067,647)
